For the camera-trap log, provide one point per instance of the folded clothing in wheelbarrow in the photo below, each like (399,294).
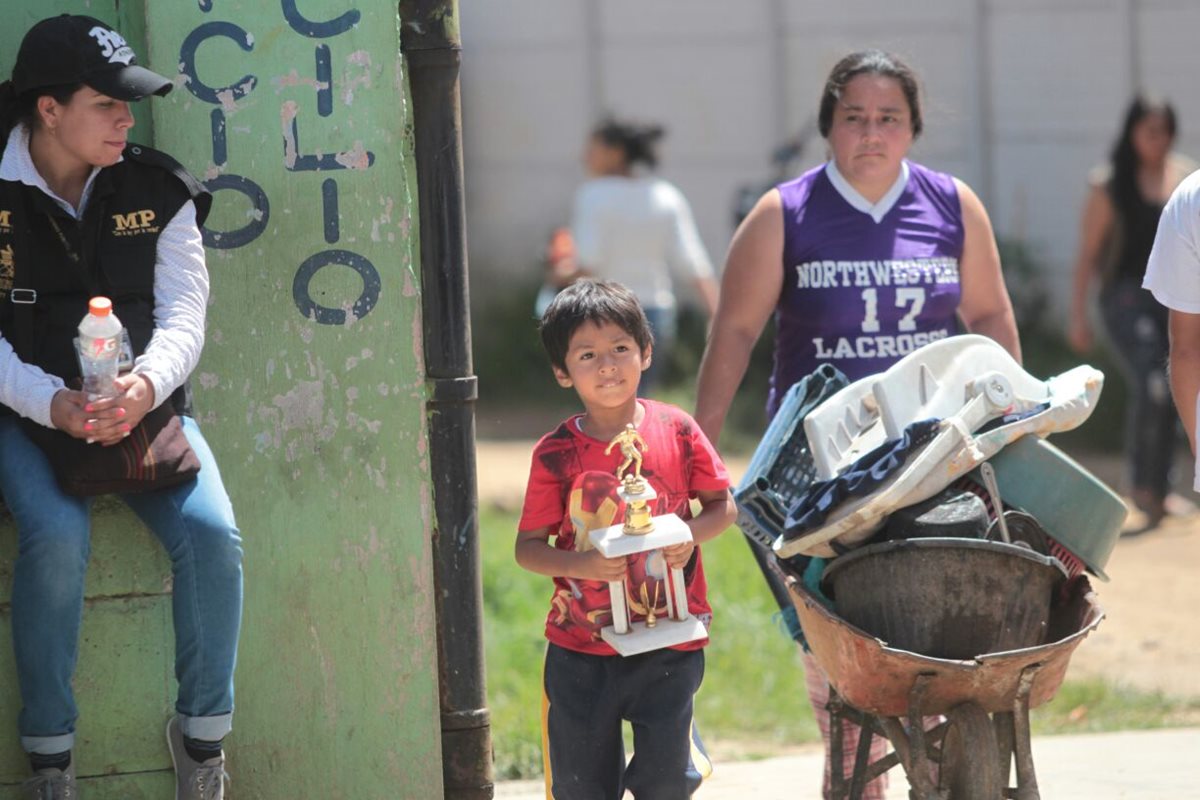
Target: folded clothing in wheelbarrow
(861,478)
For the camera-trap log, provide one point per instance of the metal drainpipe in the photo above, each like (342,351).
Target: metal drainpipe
(432,50)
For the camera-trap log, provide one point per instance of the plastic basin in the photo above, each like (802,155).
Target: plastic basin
(1073,506)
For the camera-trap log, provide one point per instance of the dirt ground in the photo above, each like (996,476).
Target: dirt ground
(1151,637)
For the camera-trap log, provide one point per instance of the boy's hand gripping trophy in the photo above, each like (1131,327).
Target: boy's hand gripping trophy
(640,532)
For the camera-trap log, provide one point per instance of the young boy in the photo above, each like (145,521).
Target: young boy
(598,340)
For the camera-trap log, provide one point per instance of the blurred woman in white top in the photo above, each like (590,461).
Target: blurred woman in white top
(633,227)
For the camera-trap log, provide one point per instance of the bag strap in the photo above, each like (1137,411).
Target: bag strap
(78,263)
(22,298)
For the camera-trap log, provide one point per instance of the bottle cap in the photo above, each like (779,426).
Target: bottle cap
(100,306)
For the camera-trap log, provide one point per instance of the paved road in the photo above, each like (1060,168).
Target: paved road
(1130,765)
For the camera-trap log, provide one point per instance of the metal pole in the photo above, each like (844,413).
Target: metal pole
(433,52)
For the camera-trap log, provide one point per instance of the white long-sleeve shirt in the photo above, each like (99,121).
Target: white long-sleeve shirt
(180,300)
(638,231)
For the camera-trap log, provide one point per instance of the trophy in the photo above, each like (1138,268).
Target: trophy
(641,532)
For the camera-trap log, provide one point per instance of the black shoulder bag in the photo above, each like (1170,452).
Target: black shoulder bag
(155,455)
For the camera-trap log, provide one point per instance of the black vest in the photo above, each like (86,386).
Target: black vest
(115,244)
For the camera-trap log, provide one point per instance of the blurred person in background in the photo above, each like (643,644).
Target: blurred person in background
(561,268)
(1119,221)
(637,229)
(861,260)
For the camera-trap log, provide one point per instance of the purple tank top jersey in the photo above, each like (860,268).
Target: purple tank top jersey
(857,293)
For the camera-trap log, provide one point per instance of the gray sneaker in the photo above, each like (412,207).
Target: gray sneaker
(194,780)
(52,784)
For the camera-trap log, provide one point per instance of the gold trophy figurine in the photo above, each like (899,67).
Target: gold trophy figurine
(635,491)
(629,440)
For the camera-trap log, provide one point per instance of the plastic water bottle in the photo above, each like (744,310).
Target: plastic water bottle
(99,349)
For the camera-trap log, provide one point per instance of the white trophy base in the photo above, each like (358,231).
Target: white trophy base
(666,633)
(612,541)
(635,637)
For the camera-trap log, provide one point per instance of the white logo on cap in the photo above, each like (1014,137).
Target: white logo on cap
(112,45)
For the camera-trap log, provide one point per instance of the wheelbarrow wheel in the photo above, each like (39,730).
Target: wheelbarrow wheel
(969,767)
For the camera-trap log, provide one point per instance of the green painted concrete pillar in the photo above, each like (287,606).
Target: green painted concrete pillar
(311,391)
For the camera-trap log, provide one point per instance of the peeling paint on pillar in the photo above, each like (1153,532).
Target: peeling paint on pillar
(311,390)
(308,393)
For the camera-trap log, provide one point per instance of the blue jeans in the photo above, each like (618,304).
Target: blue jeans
(1137,325)
(194,522)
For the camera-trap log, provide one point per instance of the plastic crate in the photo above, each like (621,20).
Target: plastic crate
(782,467)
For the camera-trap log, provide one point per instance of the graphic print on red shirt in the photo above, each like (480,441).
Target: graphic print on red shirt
(573,489)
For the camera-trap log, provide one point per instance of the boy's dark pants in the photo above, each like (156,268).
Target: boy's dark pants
(588,697)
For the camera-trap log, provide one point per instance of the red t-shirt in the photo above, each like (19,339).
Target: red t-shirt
(573,489)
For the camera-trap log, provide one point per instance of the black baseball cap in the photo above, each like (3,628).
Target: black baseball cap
(75,49)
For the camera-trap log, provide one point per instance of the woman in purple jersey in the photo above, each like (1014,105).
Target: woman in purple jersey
(861,260)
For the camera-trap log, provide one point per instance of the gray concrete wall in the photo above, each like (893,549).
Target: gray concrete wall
(1022,98)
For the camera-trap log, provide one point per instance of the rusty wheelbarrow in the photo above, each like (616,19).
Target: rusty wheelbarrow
(985,701)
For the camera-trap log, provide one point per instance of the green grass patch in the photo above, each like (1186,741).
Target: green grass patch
(1093,705)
